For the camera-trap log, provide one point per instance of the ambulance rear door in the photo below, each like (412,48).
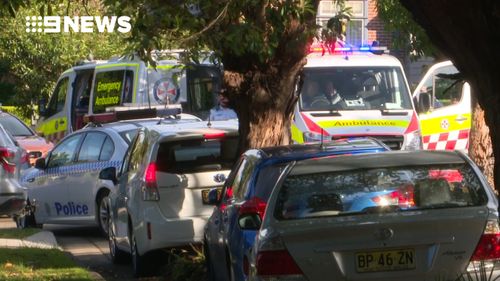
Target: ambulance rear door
(444,105)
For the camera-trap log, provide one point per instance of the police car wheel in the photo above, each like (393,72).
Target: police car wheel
(102,213)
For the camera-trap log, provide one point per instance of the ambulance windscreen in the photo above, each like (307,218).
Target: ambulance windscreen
(354,88)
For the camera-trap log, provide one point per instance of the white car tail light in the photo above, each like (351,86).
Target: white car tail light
(274,262)
(150,189)
(6,158)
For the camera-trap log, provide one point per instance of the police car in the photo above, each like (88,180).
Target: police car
(64,188)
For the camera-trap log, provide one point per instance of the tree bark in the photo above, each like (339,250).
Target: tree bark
(467,33)
(480,148)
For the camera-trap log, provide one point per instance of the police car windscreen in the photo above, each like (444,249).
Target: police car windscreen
(354,88)
(197,155)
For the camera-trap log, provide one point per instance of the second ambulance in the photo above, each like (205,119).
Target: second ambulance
(348,93)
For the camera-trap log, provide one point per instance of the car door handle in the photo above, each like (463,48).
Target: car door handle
(460,119)
(61,122)
(30,180)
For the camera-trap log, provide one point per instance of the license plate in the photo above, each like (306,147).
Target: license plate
(387,260)
(204,195)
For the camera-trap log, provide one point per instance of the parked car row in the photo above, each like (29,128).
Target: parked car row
(12,160)
(348,208)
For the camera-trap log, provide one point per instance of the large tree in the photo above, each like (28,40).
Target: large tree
(411,37)
(467,33)
(262,46)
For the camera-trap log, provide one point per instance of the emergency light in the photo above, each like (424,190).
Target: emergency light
(339,49)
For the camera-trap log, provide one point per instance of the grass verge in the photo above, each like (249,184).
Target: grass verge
(14,233)
(39,264)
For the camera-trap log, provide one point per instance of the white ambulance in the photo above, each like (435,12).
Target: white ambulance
(99,86)
(350,93)
(444,106)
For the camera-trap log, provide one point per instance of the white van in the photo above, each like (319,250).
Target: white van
(371,98)
(99,86)
(444,106)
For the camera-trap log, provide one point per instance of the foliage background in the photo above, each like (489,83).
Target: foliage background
(30,63)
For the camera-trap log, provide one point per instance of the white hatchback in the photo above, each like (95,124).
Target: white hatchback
(162,186)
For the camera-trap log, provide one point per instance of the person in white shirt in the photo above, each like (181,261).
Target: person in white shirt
(221,111)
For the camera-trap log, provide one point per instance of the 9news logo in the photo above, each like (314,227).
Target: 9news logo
(84,24)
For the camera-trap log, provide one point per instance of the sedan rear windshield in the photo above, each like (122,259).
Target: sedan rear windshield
(14,126)
(198,155)
(379,191)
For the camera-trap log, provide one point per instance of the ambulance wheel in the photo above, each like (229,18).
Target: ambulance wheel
(103,212)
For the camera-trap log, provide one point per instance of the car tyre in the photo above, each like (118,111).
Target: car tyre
(103,213)
(139,262)
(118,256)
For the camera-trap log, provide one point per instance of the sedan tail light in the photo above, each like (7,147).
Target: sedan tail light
(6,160)
(274,262)
(488,247)
(150,190)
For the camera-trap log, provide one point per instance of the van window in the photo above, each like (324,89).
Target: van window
(189,156)
(58,98)
(444,86)
(360,88)
(111,88)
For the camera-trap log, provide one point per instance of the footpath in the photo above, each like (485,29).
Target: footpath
(42,239)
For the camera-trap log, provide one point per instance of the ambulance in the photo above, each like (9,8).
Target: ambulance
(351,92)
(101,86)
(444,106)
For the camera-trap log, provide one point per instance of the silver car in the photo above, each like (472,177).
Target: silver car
(12,159)
(423,215)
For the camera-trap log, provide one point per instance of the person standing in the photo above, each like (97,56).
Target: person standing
(222,111)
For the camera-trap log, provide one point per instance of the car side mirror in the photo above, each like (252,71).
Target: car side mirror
(42,107)
(250,221)
(424,102)
(40,163)
(108,173)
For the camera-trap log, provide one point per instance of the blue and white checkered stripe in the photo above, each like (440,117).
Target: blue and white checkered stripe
(79,168)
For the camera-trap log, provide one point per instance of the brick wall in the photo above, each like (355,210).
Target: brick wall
(375,26)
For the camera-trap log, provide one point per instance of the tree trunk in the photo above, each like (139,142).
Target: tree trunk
(264,102)
(468,35)
(480,148)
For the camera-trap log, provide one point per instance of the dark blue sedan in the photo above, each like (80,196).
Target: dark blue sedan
(228,236)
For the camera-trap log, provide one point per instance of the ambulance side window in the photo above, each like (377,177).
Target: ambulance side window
(64,153)
(444,88)
(108,88)
(58,98)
